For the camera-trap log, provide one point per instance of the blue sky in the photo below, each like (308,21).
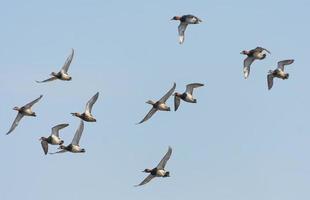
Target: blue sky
(239,142)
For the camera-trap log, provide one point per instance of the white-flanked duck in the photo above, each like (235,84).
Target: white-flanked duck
(87,116)
(74,147)
(23,111)
(159,105)
(278,73)
(259,53)
(184,21)
(53,139)
(63,73)
(186,96)
(159,170)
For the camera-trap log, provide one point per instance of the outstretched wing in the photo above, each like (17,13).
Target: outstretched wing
(177,102)
(149,115)
(246,66)
(146,180)
(181,29)
(61,151)
(15,123)
(55,129)
(65,67)
(190,87)
(47,80)
(44,145)
(29,105)
(282,63)
(270,81)
(78,134)
(90,103)
(164,160)
(168,94)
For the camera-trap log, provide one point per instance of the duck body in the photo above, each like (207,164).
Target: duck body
(186,97)
(84,116)
(26,112)
(54,140)
(158,172)
(190,19)
(73,148)
(280,74)
(62,76)
(161,106)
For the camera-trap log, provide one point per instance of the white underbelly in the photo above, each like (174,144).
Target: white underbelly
(161,173)
(76,148)
(189,98)
(55,140)
(162,106)
(28,111)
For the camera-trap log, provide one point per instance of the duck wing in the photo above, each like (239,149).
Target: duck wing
(66,65)
(55,129)
(149,115)
(282,63)
(146,180)
(78,134)
(246,66)
(15,123)
(44,145)
(177,102)
(61,151)
(168,94)
(47,80)
(164,160)
(190,87)
(91,102)
(270,81)
(181,28)
(29,105)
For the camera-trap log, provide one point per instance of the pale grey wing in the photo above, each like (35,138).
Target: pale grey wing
(149,115)
(181,29)
(65,67)
(15,123)
(190,87)
(146,180)
(177,102)
(164,160)
(61,151)
(78,134)
(282,63)
(270,81)
(168,94)
(47,80)
(55,129)
(44,145)
(91,102)
(246,66)
(29,105)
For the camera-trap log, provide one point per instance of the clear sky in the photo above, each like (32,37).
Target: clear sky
(239,142)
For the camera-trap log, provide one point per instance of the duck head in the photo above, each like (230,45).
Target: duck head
(62,146)
(167,174)
(76,114)
(176,18)
(244,52)
(147,171)
(16,108)
(150,102)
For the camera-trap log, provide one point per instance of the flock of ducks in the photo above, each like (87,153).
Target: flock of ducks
(258,53)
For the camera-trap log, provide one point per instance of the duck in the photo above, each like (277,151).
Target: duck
(23,111)
(63,73)
(158,105)
(87,116)
(187,96)
(74,147)
(278,73)
(53,139)
(259,53)
(184,21)
(159,170)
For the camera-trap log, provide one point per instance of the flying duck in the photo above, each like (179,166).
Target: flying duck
(74,147)
(63,73)
(23,111)
(159,105)
(53,139)
(184,21)
(278,73)
(186,96)
(258,53)
(87,116)
(159,170)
